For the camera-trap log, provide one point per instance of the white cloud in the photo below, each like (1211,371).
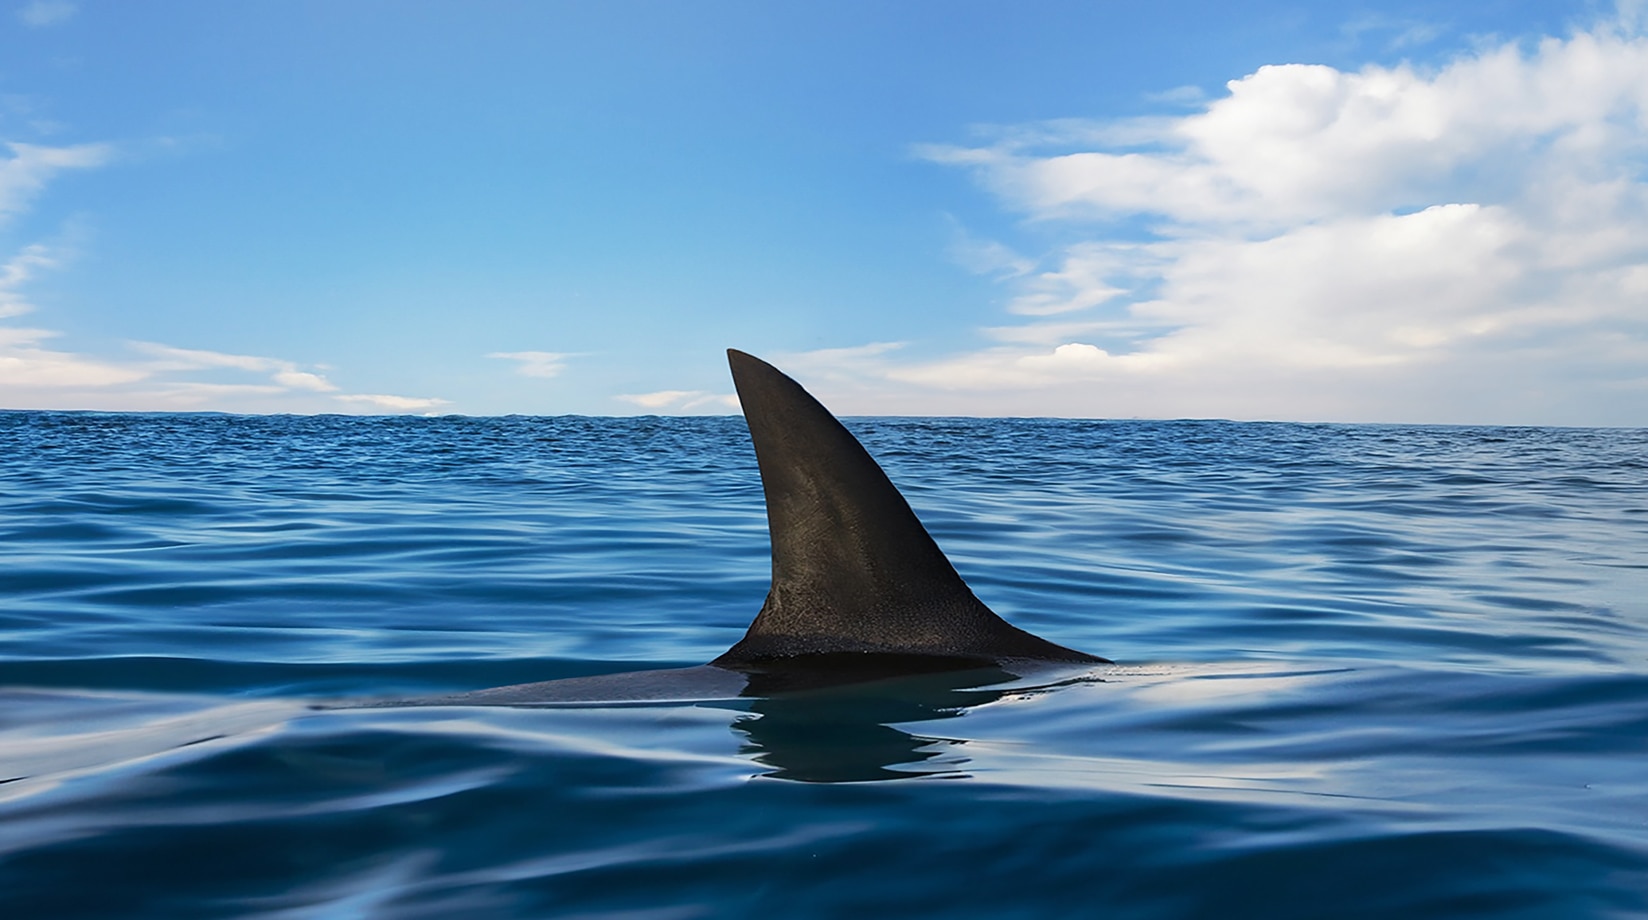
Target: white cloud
(1295,142)
(168,358)
(39,13)
(1401,33)
(25,364)
(837,360)
(165,377)
(197,395)
(304,380)
(29,167)
(661,398)
(285,373)
(393,403)
(17,272)
(535,363)
(683,400)
(286,378)
(1052,333)
(1179,95)
(987,257)
(1083,280)
(32,375)
(1465,243)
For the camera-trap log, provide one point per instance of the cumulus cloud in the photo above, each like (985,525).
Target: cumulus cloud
(1296,143)
(535,363)
(1456,243)
(40,13)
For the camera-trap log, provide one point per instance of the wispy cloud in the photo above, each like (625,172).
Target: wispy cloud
(28,167)
(683,401)
(1467,242)
(17,272)
(285,374)
(168,378)
(1179,95)
(161,377)
(828,360)
(535,363)
(986,257)
(393,403)
(25,364)
(41,13)
(1397,34)
(284,377)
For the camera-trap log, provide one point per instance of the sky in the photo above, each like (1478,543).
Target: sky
(1390,211)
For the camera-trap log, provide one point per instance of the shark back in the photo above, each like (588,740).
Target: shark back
(853,569)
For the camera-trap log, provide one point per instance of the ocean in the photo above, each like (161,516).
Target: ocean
(1361,671)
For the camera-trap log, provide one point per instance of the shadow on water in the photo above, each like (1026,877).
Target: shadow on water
(811,727)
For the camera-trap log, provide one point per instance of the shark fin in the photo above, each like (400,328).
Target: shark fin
(853,569)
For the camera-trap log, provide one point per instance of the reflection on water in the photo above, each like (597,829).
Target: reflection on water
(848,733)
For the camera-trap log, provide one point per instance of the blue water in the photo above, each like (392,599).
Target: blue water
(1363,671)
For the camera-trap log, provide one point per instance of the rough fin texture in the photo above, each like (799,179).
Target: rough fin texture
(853,570)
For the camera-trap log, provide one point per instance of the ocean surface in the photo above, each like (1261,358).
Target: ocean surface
(1362,671)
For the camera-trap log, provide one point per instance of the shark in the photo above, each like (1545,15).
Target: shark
(860,591)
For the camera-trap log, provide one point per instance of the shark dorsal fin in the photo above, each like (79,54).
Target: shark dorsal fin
(853,570)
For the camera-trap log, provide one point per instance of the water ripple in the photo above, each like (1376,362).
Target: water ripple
(1367,671)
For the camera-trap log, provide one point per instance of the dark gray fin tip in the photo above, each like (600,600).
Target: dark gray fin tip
(853,569)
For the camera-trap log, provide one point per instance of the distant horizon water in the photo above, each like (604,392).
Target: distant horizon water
(886,417)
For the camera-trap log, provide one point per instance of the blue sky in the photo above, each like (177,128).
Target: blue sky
(1396,212)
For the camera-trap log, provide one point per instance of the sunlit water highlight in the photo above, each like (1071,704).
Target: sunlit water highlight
(1363,671)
